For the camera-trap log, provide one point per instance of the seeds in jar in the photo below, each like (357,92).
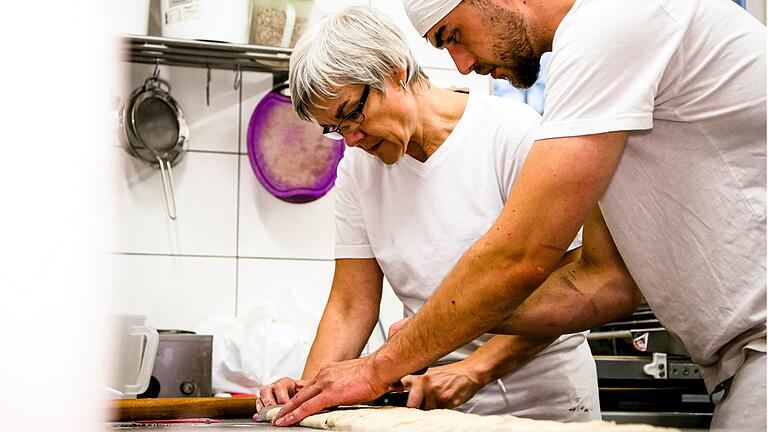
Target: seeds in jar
(268,26)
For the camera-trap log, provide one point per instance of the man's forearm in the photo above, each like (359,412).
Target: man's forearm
(581,295)
(453,315)
(558,186)
(572,299)
(502,355)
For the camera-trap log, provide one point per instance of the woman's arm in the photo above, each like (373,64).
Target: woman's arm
(350,314)
(347,322)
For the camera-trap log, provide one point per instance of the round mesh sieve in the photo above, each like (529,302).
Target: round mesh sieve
(156,124)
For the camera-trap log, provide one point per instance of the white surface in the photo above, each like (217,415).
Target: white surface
(323,8)
(206,204)
(173,292)
(426,54)
(279,282)
(391,309)
(270,227)
(452,78)
(215,20)
(276,282)
(757,9)
(53,174)
(129,16)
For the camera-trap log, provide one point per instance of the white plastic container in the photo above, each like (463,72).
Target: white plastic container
(134,348)
(129,16)
(215,20)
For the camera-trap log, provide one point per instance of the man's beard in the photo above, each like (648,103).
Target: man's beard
(512,50)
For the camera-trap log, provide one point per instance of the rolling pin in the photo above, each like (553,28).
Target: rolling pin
(175,408)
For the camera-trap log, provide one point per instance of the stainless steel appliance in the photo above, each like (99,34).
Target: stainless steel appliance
(182,366)
(646,375)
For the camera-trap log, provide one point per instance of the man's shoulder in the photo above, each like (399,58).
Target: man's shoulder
(503,111)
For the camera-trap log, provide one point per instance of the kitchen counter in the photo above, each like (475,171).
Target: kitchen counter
(223,425)
(227,425)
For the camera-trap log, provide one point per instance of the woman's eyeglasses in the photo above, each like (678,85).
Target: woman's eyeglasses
(350,122)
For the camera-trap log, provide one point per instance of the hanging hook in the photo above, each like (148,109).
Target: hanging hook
(208,87)
(156,72)
(238,77)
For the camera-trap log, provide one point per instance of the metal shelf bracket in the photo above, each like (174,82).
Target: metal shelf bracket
(657,368)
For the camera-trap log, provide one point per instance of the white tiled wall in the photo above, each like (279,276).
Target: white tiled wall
(234,245)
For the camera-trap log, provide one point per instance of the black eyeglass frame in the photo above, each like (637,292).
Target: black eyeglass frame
(336,130)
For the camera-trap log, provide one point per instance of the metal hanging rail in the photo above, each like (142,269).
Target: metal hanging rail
(205,54)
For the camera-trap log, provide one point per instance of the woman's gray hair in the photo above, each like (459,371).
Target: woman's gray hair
(356,46)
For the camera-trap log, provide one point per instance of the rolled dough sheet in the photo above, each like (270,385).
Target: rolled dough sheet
(385,419)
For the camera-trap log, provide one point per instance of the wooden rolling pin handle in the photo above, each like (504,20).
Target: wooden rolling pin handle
(176,408)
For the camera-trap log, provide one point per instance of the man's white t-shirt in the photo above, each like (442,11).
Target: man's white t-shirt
(686,206)
(417,219)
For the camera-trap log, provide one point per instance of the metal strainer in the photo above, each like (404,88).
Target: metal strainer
(156,131)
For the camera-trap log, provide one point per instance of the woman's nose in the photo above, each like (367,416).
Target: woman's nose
(352,138)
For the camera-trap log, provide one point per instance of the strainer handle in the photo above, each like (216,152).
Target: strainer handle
(168,189)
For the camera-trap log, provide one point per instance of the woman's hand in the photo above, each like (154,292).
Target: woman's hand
(278,393)
(396,326)
(445,387)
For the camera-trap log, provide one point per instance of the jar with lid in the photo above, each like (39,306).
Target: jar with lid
(278,23)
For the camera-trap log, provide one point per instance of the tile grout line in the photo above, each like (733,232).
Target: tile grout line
(169,255)
(214,151)
(237,213)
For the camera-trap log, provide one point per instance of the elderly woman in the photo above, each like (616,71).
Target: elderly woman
(427,174)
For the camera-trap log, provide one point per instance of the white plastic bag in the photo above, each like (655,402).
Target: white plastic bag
(256,348)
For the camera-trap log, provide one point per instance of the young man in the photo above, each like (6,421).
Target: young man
(655,109)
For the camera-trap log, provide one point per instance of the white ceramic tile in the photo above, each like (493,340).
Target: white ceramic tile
(206,205)
(256,85)
(323,8)
(302,287)
(391,310)
(391,307)
(299,287)
(211,127)
(173,292)
(452,78)
(426,54)
(270,227)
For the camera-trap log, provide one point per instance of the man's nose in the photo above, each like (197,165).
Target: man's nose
(463,59)
(353,137)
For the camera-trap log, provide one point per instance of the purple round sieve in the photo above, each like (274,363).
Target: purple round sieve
(289,156)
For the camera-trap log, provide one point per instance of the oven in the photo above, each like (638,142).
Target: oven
(646,375)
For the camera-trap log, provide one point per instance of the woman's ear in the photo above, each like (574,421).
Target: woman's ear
(402,75)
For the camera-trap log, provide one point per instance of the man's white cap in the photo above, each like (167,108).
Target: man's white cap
(424,14)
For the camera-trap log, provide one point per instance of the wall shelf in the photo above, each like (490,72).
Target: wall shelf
(205,54)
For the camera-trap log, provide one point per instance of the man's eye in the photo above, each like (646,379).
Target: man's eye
(451,39)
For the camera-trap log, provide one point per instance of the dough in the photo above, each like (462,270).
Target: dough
(385,419)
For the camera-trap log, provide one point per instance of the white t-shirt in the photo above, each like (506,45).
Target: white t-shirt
(686,206)
(417,219)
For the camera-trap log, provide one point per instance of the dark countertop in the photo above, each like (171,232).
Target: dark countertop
(228,425)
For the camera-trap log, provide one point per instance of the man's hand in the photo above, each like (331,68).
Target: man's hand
(277,393)
(445,387)
(343,383)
